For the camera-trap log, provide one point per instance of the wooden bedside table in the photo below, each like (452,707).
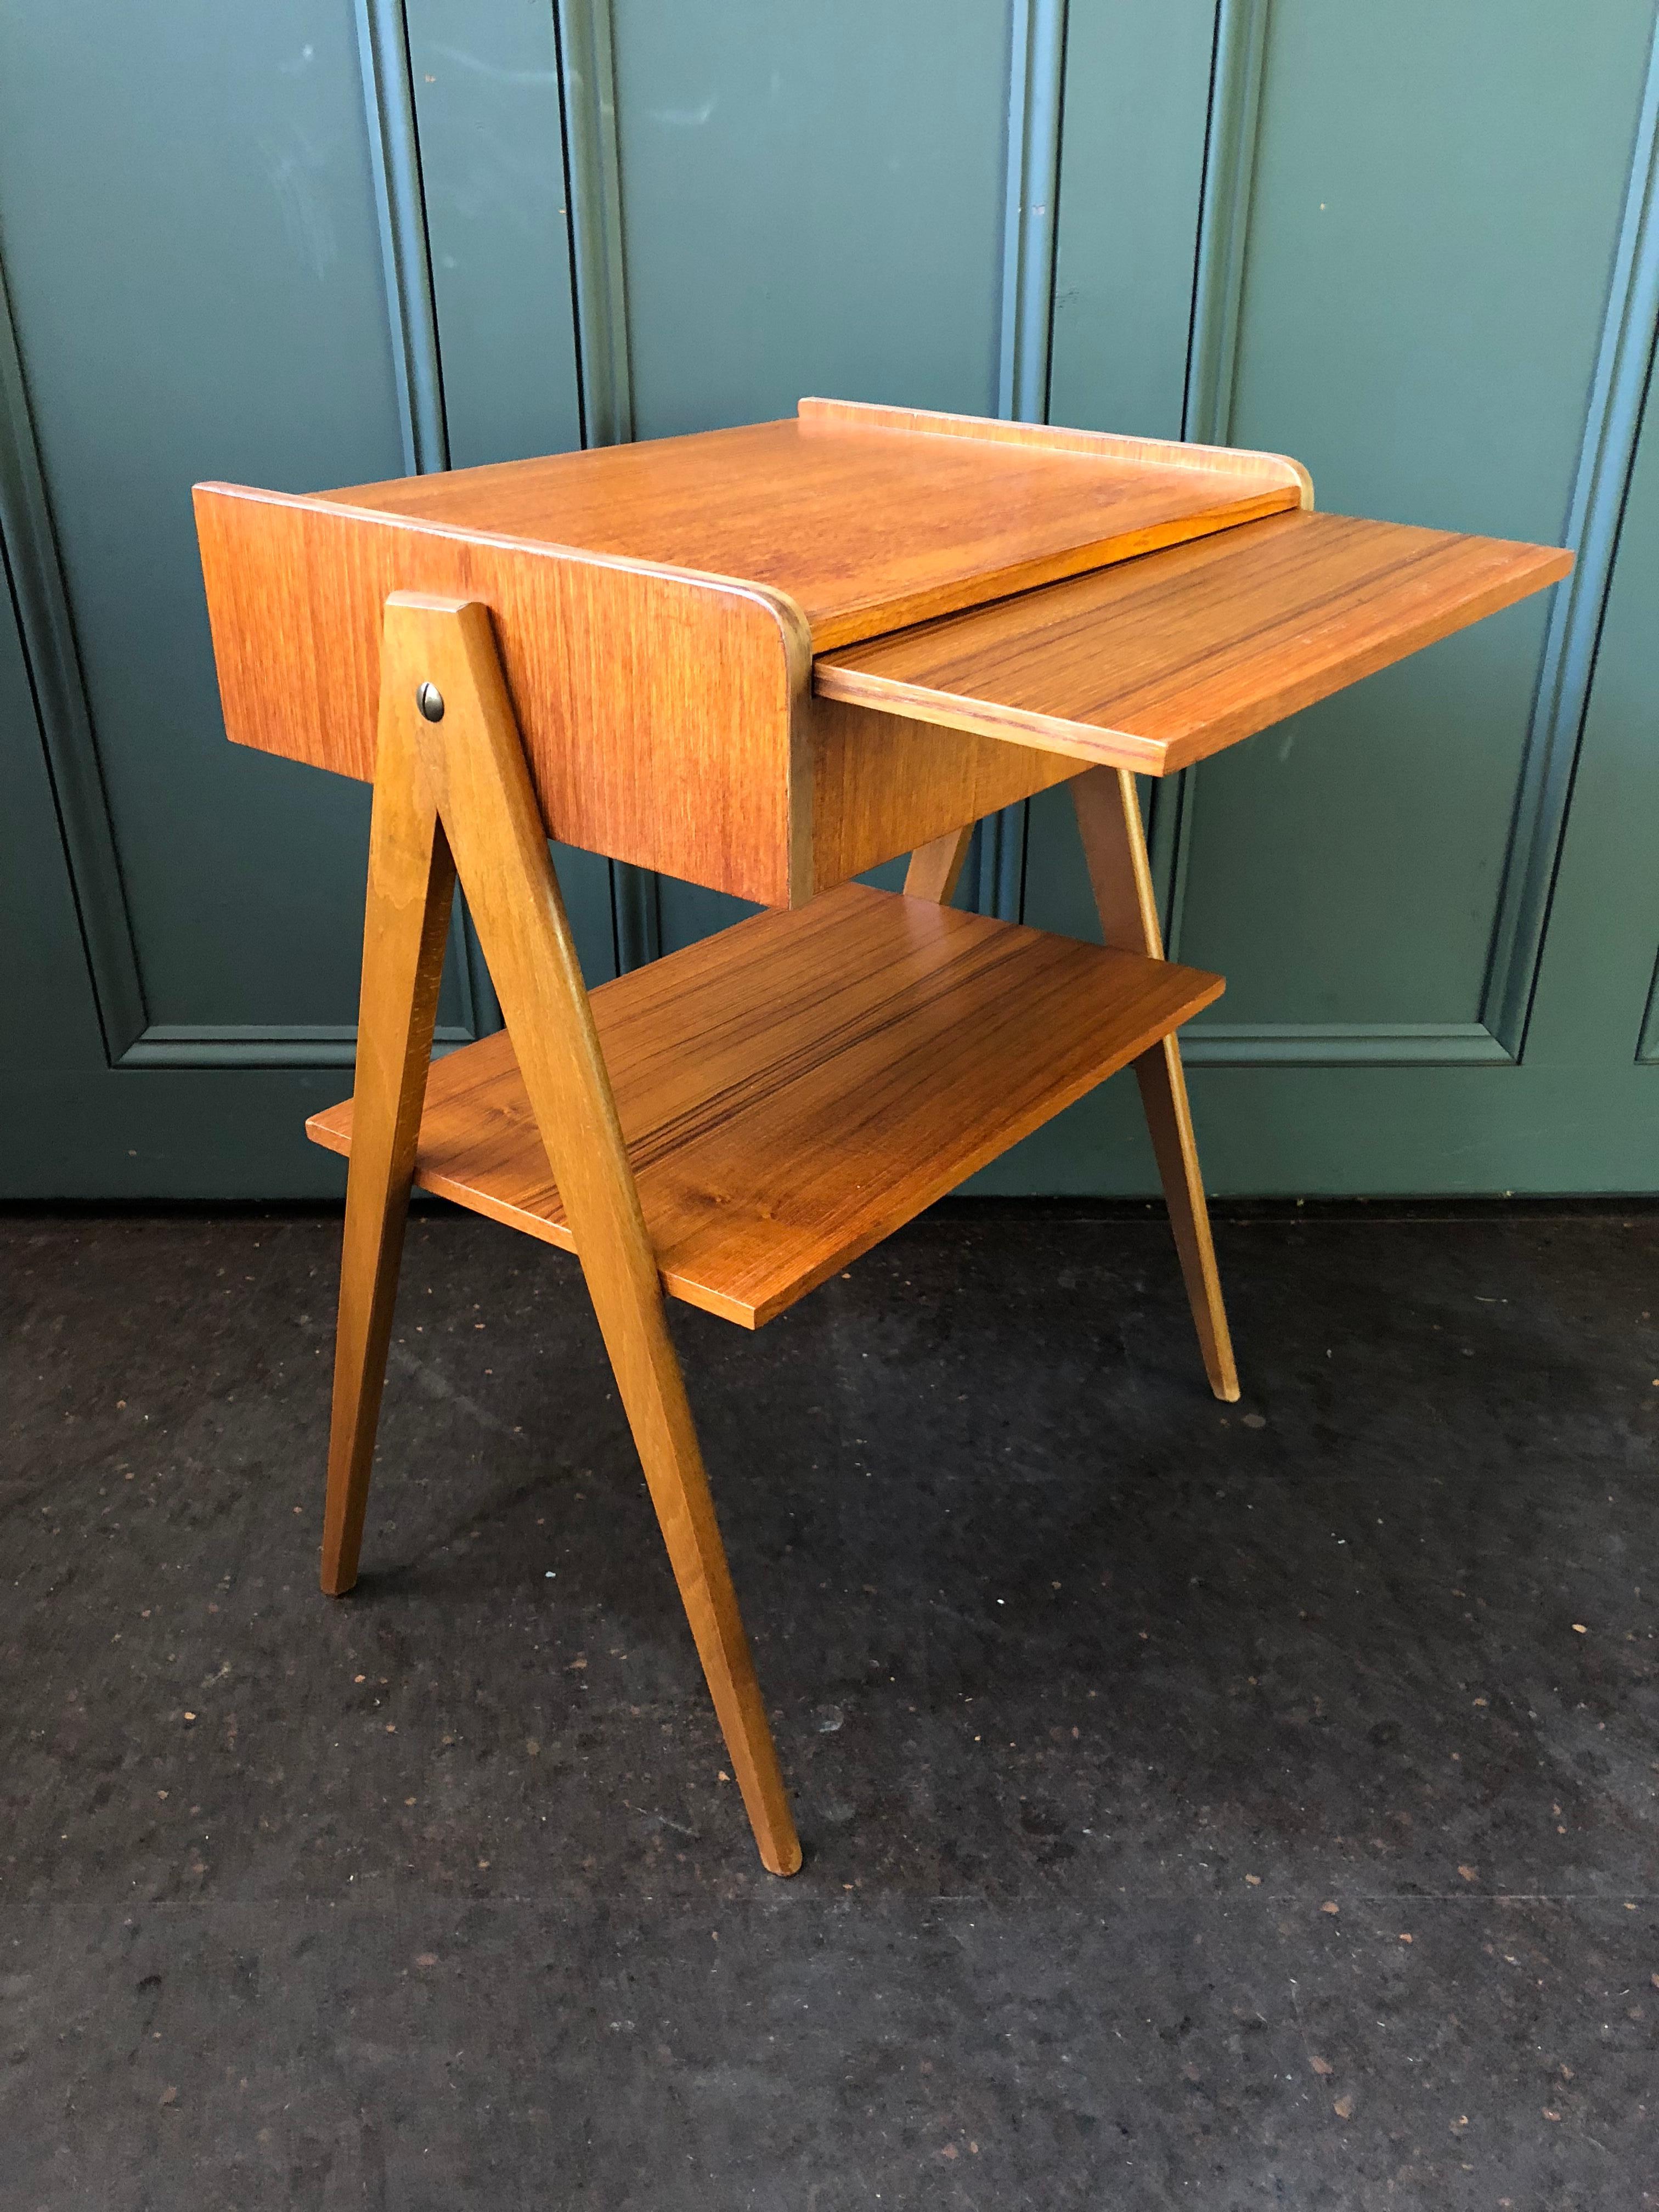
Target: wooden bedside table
(766,659)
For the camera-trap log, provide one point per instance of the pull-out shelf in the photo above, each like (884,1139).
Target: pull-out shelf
(1155,663)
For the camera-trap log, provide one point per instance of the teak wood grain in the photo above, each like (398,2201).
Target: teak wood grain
(799,1086)
(664,715)
(672,717)
(867,519)
(1156,663)
(473,764)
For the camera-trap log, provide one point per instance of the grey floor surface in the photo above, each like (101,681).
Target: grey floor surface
(1223,1806)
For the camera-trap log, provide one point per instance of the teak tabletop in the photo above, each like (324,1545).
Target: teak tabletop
(766,659)
(867,519)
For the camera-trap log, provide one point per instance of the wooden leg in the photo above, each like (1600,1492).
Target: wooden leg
(410,880)
(1162,1083)
(475,768)
(935,869)
(1114,846)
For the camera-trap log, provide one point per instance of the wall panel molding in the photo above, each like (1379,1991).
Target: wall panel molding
(1241,38)
(395,162)
(635,915)
(1607,447)
(1607,455)
(45,624)
(592,167)
(1229,144)
(190,1044)
(1037,96)
(1037,92)
(395,169)
(1343,1044)
(1647,1045)
(400,206)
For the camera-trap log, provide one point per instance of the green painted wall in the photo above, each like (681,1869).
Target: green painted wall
(321,243)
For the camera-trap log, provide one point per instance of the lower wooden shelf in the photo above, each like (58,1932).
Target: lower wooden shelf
(797,1087)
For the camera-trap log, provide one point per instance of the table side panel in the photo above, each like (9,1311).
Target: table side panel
(1159,662)
(661,713)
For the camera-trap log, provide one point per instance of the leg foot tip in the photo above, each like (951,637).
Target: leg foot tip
(782,1863)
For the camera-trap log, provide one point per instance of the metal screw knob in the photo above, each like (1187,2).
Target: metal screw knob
(430,701)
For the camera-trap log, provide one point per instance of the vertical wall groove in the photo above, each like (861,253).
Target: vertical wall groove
(587,73)
(395,162)
(34,572)
(1037,80)
(1229,144)
(1606,456)
(1240,37)
(1647,1045)
(1036,91)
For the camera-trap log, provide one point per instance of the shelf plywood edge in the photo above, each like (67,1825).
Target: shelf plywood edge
(796,1088)
(1157,663)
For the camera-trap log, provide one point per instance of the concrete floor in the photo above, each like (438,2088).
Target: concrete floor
(1223,1806)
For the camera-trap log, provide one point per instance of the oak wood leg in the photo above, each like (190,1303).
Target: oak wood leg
(411,882)
(1114,846)
(936,868)
(475,768)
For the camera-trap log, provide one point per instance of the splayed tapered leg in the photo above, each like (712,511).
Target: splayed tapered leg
(410,880)
(1115,847)
(474,765)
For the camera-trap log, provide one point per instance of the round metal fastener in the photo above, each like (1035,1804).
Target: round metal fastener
(430,701)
